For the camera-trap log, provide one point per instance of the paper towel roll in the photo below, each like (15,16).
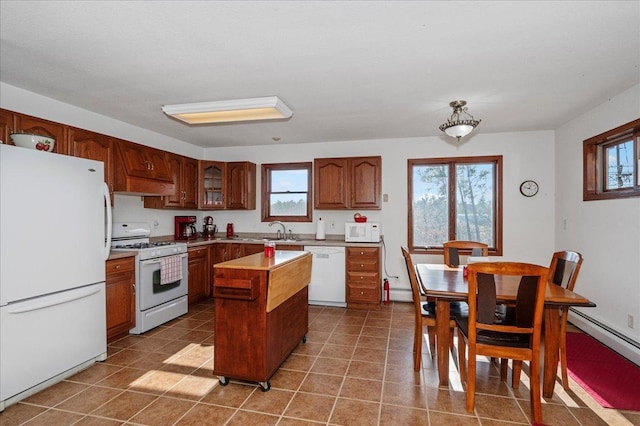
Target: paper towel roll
(320,230)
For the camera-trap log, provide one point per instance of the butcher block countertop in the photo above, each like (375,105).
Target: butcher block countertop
(259,262)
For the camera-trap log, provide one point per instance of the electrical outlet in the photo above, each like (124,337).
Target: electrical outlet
(630,321)
(385,198)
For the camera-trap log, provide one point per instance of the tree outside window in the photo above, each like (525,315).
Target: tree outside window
(455,199)
(286,192)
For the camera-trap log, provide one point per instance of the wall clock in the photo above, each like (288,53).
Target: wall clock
(529,188)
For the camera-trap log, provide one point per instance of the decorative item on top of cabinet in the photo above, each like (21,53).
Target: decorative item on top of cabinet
(348,183)
(140,169)
(212,185)
(93,146)
(363,277)
(199,272)
(184,172)
(38,126)
(241,186)
(121,297)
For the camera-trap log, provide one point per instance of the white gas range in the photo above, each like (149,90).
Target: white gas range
(161,275)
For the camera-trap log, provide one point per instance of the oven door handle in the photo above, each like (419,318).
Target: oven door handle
(154,261)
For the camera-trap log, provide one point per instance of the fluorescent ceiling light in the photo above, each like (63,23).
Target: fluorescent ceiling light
(267,108)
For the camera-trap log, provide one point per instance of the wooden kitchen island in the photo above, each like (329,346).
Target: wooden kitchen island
(261,314)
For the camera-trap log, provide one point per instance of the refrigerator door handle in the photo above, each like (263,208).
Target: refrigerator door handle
(44,305)
(107,202)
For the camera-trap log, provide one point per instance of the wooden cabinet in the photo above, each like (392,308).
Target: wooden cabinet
(241,186)
(6,125)
(348,183)
(212,185)
(121,297)
(93,146)
(184,173)
(363,277)
(141,169)
(199,273)
(227,185)
(37,126)
(291,247)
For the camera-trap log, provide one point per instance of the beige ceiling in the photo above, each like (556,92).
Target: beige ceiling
(349,70)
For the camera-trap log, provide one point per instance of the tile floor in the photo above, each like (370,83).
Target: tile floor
(355,369)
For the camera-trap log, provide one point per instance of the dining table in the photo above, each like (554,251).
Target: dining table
(444,284)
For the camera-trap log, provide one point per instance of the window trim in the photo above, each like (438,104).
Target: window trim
(451,162)
(593,187)
(266,176)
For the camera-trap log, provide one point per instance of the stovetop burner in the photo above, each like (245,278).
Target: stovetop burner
(145,245)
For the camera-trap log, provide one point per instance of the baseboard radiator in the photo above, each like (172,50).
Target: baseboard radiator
(624,345)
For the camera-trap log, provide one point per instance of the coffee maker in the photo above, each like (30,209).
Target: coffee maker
(209,229)
(185,228)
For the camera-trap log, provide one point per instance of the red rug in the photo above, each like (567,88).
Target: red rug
(609,378)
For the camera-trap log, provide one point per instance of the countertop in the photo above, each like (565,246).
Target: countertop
(337,241)
(113,255)
(260,262)
(304,240)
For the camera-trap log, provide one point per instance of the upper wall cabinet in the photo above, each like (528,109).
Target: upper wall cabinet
(212,185)
(21,123)
(6,125)
(94,146)
(241,186)
(141,170)
(348,183)
(184,172)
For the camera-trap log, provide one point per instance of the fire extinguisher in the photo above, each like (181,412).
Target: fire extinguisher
(386,291)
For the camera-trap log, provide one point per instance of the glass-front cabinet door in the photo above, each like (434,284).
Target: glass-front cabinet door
(212,181)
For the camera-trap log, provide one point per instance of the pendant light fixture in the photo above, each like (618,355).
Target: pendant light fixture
(461,123)
(267,108)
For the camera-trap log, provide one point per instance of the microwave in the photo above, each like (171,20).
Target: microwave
(362,232)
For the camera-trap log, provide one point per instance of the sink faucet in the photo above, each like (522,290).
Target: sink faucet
(284,229)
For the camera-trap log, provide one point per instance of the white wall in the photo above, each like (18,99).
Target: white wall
(606,232)
(528,222)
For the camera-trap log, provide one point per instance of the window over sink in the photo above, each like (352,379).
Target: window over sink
(286,192)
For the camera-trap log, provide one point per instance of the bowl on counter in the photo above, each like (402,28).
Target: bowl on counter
(37,142)
(360,219)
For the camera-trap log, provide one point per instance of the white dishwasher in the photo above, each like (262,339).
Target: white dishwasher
(327,285)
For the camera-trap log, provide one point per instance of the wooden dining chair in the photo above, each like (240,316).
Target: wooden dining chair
(425,315)
(481,335)
(563,271)
(452,250)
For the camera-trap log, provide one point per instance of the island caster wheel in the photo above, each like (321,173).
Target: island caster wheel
(224,381)
(304,339)
(264,386)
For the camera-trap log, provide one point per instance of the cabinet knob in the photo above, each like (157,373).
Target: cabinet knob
(361,252)
(117,266)
(362,265)
(361,293)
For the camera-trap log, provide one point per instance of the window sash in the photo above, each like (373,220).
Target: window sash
(270,196)
(452,199)
(596,165)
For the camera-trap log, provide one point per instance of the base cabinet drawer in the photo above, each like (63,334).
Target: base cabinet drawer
(362,293)
(363,277)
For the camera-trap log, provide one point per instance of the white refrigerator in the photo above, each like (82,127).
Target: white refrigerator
(55,225)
